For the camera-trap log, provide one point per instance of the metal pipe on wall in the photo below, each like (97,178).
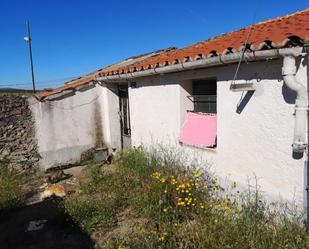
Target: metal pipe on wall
(301,104)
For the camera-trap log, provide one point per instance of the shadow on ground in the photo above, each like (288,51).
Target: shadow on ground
(57,232)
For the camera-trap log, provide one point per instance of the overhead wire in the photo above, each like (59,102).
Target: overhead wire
(246,44)
(42,83)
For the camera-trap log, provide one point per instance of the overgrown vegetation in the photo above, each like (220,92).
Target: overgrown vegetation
(10,189)
(92,207)
(176,208)
(14,185)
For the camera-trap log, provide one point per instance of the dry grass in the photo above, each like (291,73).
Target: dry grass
(15,186)
(151,201)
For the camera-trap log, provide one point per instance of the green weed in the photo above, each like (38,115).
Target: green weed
(181,207)
(90,214)
(10,189)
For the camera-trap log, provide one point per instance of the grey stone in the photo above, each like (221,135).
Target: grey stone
(18,144)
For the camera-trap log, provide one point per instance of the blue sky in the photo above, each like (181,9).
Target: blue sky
(71,38)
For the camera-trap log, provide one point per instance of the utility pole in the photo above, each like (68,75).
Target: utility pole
(28,40)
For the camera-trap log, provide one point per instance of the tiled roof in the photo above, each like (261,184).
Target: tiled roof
(76,83)
(285,31)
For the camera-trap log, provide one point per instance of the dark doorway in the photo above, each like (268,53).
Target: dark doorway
(124,112)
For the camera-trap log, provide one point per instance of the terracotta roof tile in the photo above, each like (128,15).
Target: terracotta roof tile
(274,33)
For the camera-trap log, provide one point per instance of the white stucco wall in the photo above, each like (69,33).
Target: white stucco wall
(256,141)
(253,140)
(111,125)
(69,126)
(154,112)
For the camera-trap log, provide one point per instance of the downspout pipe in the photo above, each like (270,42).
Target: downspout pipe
(301,104)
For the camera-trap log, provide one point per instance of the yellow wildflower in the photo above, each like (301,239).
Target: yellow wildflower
(156,175)
(181,203)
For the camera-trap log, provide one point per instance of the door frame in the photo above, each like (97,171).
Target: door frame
(124,116)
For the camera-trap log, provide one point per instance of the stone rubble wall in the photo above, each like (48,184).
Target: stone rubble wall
(18,145)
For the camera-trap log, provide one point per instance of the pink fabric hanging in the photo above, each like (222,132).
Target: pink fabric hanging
(199,130)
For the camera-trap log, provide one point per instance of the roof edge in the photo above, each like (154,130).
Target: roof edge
(205,63)
(198,64)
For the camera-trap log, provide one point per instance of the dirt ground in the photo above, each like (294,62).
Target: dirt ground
(17,230)
(53,229)
(57,232)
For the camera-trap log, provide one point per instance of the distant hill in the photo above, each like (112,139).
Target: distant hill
(14,90)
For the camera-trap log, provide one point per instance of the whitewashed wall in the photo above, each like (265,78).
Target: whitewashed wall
(255,141)
(154,112)
(67,127)
(111,124)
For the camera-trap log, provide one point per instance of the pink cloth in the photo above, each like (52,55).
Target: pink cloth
(199,130)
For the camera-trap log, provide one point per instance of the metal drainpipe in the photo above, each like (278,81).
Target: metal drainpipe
(301,104)
(300,141)
(307,151)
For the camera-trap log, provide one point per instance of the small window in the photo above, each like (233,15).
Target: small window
(205,96)
(200,126)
